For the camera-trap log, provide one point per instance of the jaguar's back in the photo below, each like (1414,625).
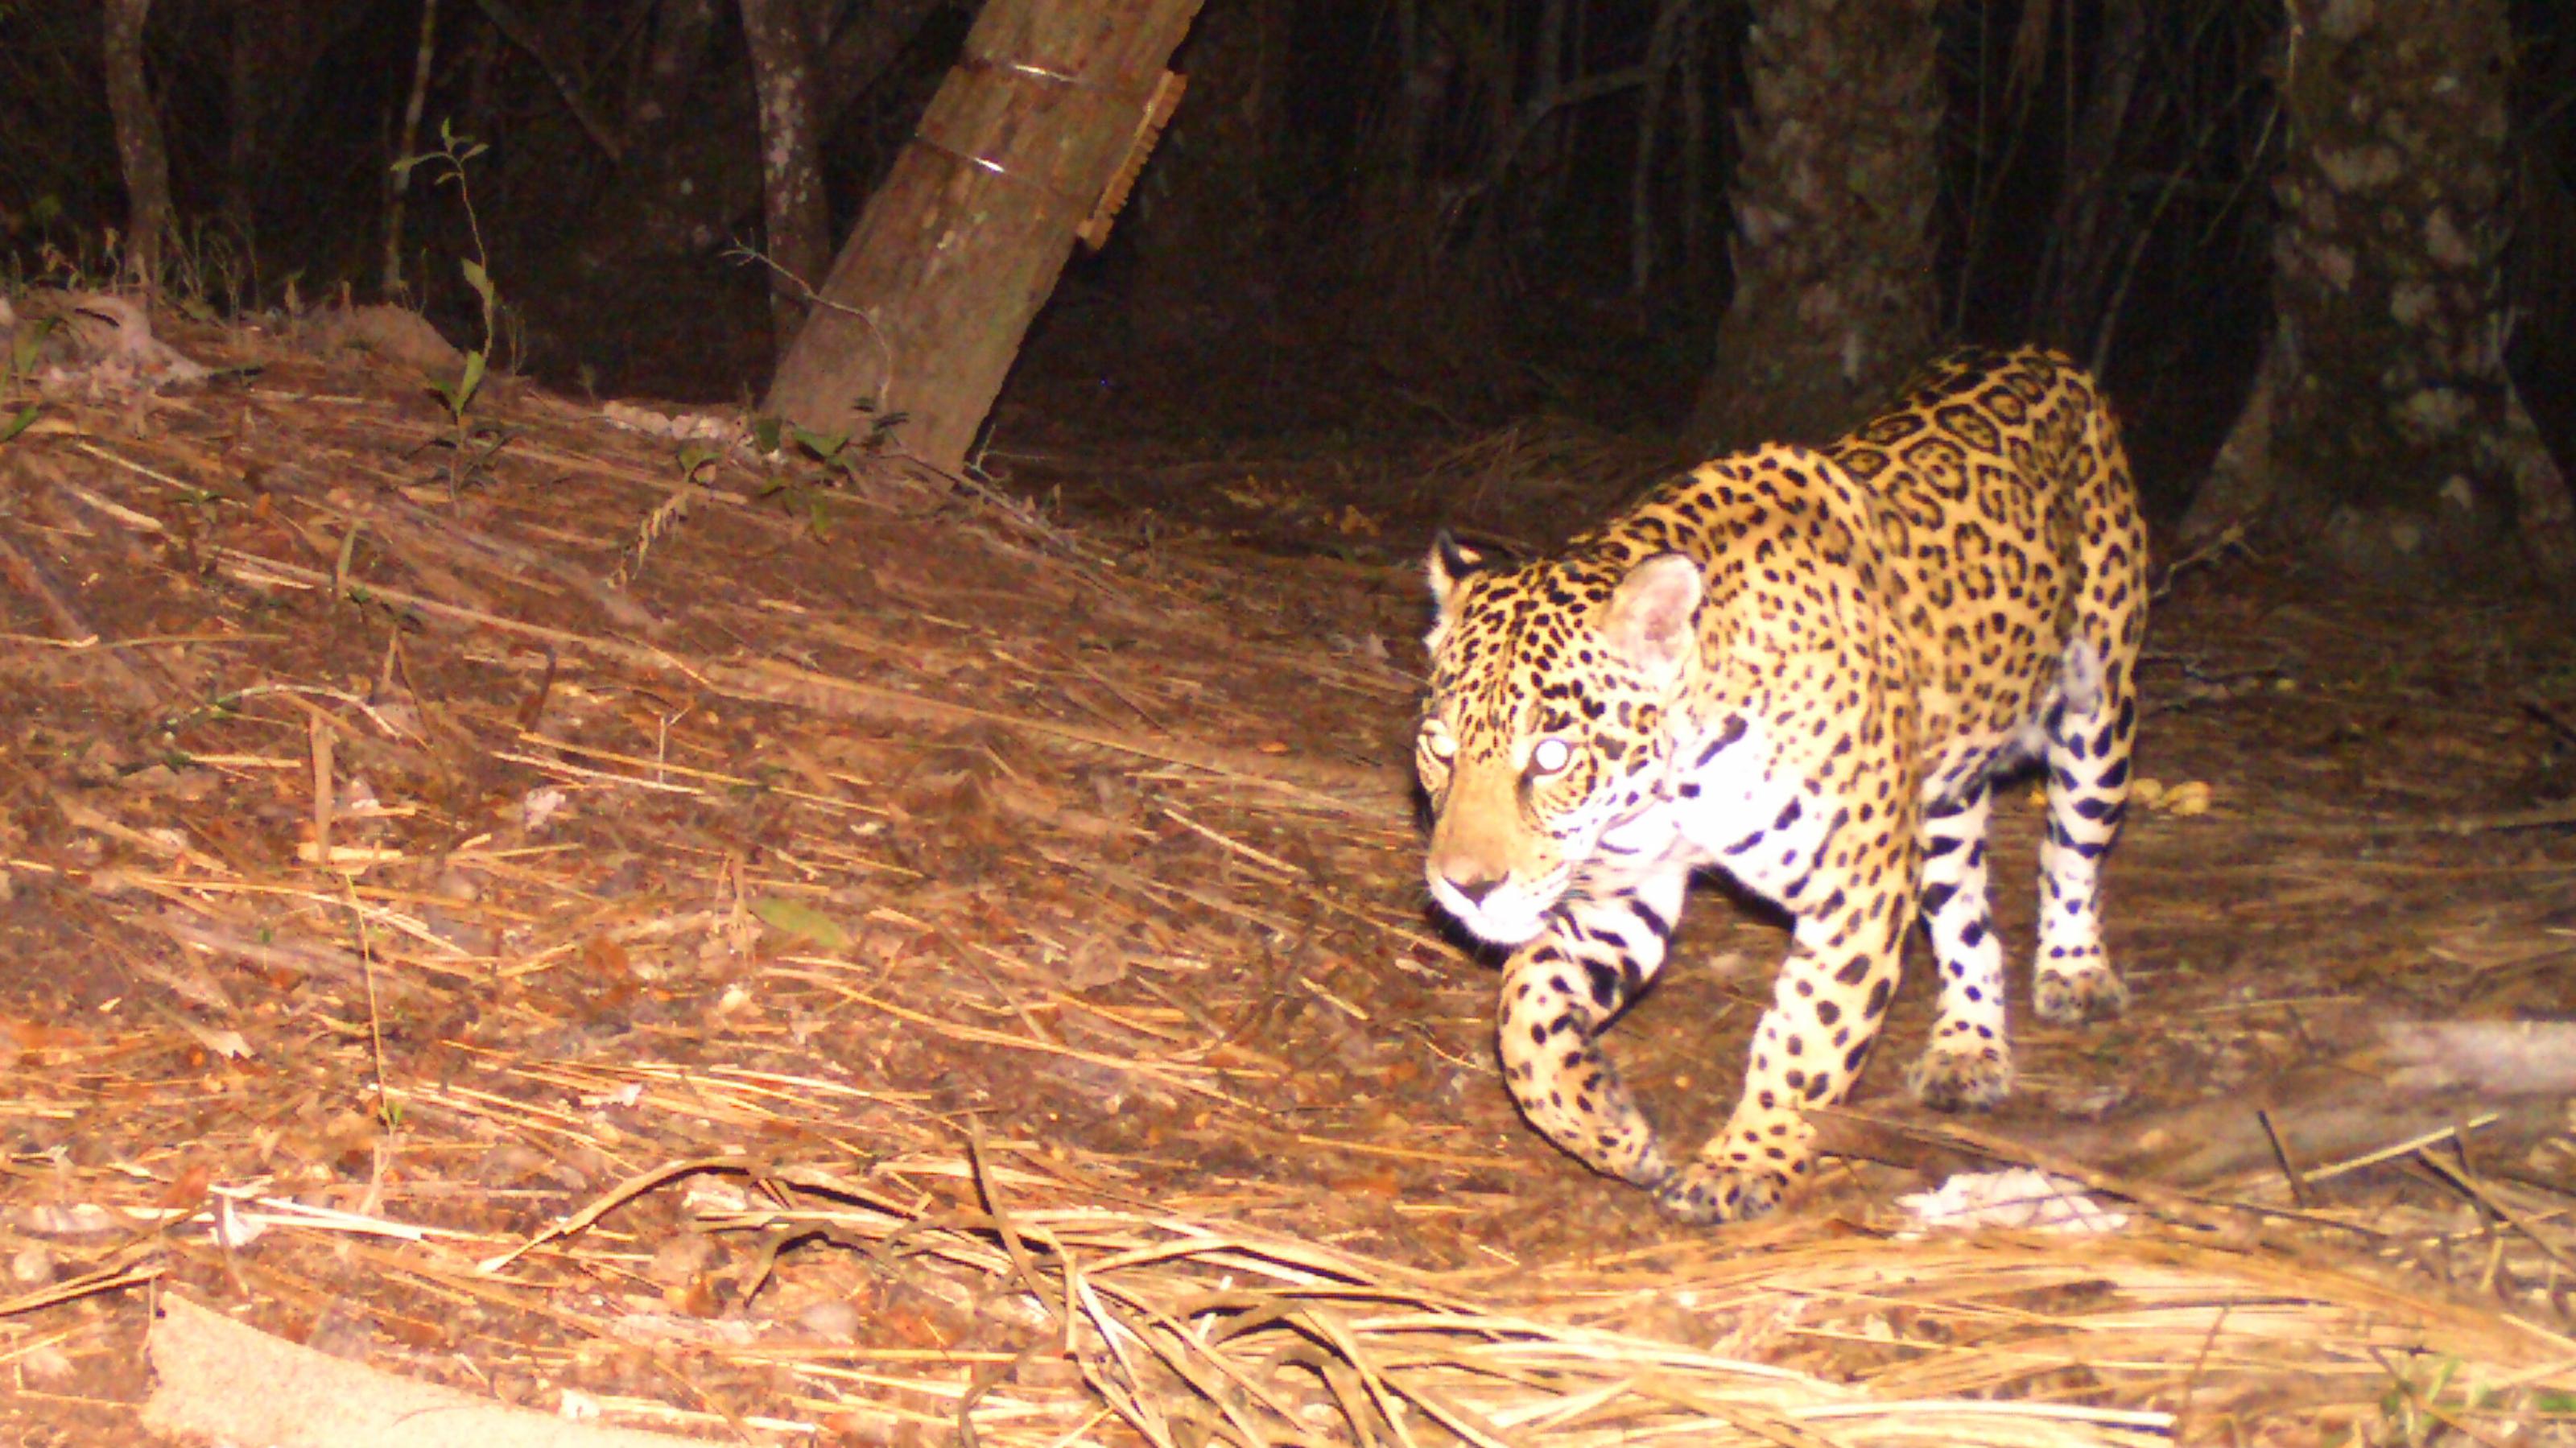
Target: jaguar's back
(2008,517)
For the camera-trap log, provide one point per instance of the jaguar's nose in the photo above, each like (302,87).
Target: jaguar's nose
(1471,888)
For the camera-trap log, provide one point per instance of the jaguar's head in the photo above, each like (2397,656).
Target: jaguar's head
(1546,721)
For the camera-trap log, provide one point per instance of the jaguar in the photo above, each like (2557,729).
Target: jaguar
(1806,668)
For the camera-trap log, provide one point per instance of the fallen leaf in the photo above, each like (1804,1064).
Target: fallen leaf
(801,919)
(188,1190)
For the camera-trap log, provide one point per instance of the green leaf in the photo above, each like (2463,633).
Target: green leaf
(403,166)
(697,458)
(822,445)
(479,280)
(18,424)
(471,382)
(801,919)
(30,341)
(764,434)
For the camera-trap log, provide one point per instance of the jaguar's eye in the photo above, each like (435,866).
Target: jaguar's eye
(1439,743)
(1550,755)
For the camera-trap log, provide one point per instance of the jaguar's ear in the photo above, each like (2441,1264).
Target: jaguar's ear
(1649,623)
(1450,563)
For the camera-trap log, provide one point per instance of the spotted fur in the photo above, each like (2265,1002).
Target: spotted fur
(1805,668)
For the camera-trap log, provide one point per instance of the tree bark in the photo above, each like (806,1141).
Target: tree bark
(1833,195)
(406,145)
(796,218)
(957,250)
(140,153)
(2385,436)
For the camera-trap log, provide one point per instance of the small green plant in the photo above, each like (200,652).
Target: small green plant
(79,269)
(471,445)
(839,453)
(833,449)
(2426,1403)
(23,347)
(207,271)
(20,363)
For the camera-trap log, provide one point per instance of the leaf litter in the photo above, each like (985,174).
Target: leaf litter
(904,967)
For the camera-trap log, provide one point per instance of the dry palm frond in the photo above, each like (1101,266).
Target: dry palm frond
(1195,1330)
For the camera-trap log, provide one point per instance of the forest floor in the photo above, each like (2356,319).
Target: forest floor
(827,953)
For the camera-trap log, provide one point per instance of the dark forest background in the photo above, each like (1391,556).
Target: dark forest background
(1377,215)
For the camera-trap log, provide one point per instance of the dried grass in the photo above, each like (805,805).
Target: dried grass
(1192,1329)
(1014,943)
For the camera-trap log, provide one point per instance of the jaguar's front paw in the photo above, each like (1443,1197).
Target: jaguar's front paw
(1962,1077)
(2070,999)
(1705,1193)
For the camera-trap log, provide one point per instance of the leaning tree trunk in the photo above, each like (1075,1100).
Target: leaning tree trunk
(1833,197)
(2384,434)
(930,297)
(795,218)
(139,150)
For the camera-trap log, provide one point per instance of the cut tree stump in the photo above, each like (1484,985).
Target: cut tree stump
(928,302)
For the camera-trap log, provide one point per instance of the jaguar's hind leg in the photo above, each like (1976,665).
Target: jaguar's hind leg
(2089,736)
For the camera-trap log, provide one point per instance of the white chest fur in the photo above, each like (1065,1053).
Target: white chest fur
(1730,803)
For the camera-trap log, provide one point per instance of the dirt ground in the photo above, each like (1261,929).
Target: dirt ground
(483,905)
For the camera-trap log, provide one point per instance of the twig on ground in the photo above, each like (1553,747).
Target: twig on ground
(2408,1147)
